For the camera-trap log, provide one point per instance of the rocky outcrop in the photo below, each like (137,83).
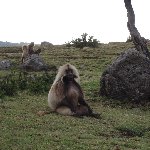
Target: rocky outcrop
(35,63)
(128,77)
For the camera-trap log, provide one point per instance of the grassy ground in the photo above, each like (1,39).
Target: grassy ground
(122,125)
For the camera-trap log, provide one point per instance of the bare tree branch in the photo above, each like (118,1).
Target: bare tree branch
(139,42)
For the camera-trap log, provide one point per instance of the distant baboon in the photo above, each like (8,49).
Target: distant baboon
(30,48)
(65,96)
(24,53)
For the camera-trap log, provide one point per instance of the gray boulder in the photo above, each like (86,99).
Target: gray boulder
(128,77)
(5,64)
(34,63)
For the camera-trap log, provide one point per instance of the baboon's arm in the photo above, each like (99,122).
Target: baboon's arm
(83,102)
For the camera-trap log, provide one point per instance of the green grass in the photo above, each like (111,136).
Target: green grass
(122,124)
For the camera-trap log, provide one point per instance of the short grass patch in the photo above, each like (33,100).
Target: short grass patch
(122,125)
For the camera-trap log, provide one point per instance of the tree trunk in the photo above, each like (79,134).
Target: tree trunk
(128,77)
(139,42)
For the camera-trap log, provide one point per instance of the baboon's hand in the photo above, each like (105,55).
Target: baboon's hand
(96,115)
(90,110)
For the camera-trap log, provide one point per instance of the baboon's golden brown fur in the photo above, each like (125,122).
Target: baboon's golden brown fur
(65,96)
(24,53)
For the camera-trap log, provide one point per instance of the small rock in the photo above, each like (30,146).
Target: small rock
(5,64)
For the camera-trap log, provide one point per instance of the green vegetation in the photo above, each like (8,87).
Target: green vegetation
(122,125)
(15,81)
(84,42)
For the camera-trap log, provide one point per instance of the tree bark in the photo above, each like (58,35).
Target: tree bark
(139,42)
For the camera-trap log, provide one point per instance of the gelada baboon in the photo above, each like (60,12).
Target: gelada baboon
(29,50)
(65,96)
(24,52)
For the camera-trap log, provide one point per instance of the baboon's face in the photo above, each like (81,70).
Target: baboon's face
(69,76)
(32,44)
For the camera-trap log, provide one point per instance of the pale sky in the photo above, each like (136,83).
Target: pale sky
(59,21)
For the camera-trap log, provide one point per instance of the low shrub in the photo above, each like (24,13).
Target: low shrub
(83,42)
(19,80)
